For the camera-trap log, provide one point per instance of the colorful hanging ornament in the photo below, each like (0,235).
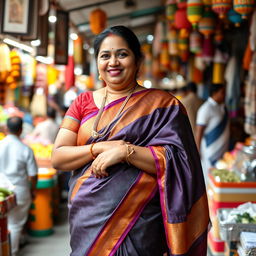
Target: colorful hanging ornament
(170,10)
(195,10)
(195,42)
(173,42)
(234,17)
(208,50)
(206,25)
(164,55)
(180,20)
(183,44)
(98,20)
(221,7)
(181,4)
(244,7)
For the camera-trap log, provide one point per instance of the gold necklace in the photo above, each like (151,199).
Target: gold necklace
(96,134)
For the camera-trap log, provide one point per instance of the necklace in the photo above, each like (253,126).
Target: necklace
(96,134)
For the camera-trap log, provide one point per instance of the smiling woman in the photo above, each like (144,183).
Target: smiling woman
(138,187)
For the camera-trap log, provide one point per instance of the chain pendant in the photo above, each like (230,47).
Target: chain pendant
(95,135)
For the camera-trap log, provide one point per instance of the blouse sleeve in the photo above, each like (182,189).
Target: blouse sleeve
(73,116)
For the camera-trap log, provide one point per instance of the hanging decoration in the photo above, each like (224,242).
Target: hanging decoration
(244,7)
(170,10)
(173,42)
(78,50)
(206,25)
(164,55)
(181,4)
(183,44)
(181,21)
(221,7)
(195,42)
(208,50)
(98,21)
(195,10)
(234,17)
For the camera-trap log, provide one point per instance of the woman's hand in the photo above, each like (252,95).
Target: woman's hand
(103,146)
(112,154)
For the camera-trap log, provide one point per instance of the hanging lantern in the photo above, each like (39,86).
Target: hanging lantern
(244,7)
(98,20)
(181,4)
(195,10)
(164,55)
(183,44)
(78,50)
(218,73)
(173,42)
(221,7)
(208,50)
(206,25)
(234,17)
(181,20)
(195,42)
(170,10)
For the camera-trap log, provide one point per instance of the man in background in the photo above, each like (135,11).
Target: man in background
(18,164)
(192,103)
(47,129)
(212,128)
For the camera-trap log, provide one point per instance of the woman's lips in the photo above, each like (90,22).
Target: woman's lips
(114,72)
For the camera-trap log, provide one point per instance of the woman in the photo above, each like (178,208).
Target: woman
(138,187)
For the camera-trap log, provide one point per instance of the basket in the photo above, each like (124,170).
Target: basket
(231,231)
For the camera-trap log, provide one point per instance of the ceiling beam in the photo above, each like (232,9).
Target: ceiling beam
(91,5)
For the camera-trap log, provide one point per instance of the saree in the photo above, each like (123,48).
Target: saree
(131,212)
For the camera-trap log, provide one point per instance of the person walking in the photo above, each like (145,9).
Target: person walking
(137,186)
(212,129)
(18,164)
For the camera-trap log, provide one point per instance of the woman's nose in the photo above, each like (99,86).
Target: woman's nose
(113,60)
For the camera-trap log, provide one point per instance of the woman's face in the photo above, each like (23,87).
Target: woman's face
(116,63)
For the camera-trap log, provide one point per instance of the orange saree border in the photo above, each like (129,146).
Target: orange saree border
(113,234)
(179,238)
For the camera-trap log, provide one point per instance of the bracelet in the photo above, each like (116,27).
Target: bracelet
(129,151)
(93,156)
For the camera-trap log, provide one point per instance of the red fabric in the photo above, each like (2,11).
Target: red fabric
(69,73)
(82,106)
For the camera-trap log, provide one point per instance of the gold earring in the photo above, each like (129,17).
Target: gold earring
(100,78)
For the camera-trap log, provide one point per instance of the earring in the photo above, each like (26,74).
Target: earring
(100,78)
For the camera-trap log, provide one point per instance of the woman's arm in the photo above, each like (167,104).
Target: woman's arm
(66,155)
(108,156)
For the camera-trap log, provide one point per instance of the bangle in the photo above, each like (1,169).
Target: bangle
(93,156)
(129,151)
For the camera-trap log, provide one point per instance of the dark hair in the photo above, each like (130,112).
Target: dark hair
(14,124)
(126,34)
(192,87)
(51,112)
(215,88)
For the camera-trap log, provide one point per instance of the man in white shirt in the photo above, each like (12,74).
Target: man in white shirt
(212,128)
(18,164)
(47,129)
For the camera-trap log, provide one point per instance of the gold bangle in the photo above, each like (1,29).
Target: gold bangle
(93,156)
(129,151)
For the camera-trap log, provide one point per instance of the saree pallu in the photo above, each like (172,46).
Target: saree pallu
(132,213)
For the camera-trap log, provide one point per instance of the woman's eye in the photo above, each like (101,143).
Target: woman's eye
(104,56)
(122,54)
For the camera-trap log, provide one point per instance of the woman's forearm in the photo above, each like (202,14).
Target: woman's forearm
(143,159)
(68,158)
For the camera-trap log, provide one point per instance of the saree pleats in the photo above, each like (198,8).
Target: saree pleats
(104,212)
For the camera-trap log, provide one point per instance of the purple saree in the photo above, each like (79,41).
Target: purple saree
(131,213)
